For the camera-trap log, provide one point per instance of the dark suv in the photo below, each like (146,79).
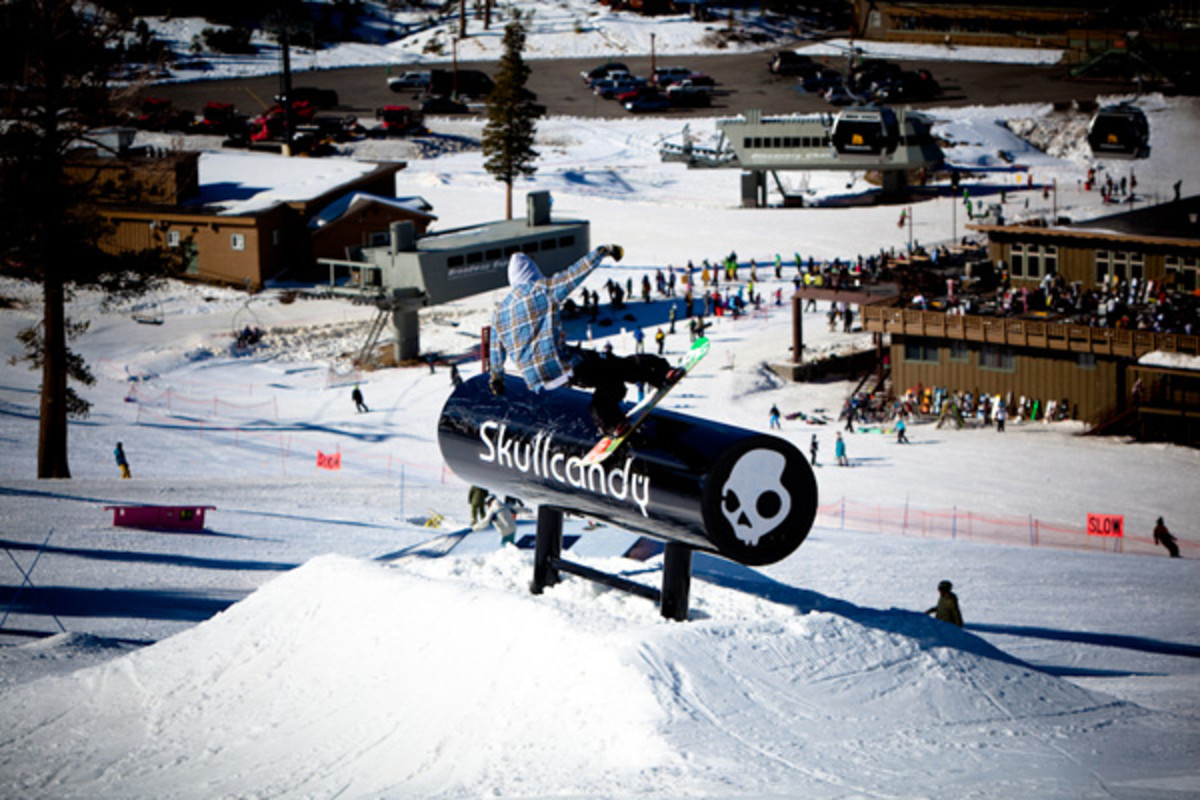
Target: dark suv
(788,62)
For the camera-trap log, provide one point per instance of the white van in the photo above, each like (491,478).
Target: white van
(410,81)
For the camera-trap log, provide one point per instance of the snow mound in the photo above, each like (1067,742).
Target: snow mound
(445,677)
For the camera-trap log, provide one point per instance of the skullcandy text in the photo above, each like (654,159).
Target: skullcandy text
(541,458)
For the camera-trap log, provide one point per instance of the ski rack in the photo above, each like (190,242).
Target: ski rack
(689,482)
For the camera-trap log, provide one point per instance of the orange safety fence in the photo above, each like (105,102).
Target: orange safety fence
(956,523)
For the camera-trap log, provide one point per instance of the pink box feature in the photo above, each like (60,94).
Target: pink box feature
(169,518)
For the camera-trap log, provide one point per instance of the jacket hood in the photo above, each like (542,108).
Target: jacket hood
(522,271)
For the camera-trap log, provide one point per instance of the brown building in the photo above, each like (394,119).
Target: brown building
(1037,354)
(240,218)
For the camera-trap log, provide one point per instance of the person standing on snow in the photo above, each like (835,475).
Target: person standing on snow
(812,450)
(946,609)
(901,438)
(839,450)
(526,327)
(123,463)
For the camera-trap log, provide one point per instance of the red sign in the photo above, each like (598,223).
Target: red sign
(329,460)
(1106,525)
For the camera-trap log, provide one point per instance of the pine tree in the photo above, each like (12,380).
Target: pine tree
(512,114)
(59,53)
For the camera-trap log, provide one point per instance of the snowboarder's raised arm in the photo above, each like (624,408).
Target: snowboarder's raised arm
(562,284)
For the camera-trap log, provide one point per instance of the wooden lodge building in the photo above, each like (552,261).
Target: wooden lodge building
(1088,369)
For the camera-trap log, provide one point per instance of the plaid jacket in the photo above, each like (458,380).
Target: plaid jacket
(526,327)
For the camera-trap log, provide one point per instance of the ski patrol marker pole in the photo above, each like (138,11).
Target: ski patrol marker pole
(691,482)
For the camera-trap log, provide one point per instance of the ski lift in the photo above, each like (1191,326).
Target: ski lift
(1119,131)
(865,132)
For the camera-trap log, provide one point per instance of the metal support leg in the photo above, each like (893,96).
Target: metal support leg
(677,581)
(547,549)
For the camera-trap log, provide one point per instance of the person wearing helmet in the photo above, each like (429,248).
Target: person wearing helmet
(526,327)
(946,609)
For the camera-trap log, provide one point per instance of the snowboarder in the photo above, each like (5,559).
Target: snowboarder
(123,463)
(1163,536)
(812,450)
(357,397)
(774,417)
(901,438)
(501,516)
(946,609)
(526,327)
(839,450)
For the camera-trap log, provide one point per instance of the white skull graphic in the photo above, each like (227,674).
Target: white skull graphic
(754,499)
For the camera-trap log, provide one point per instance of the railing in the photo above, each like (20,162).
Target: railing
(1025,333)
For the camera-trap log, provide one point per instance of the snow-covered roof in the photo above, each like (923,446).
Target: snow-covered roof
(1161,358)
(244,183)
(416,205)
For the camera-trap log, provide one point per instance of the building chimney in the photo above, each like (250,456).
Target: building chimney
(404,236)
(538,208)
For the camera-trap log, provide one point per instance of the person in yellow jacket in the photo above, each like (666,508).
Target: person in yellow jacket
(946,609)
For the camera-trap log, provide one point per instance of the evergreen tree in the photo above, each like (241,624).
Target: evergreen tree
(512,114)
(59,53)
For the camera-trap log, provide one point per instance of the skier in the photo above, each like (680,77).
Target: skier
(901,438)
(526,327)
(123,463)
(357,397)
(774,417)
(1163,536)
(812,450)
(946,609)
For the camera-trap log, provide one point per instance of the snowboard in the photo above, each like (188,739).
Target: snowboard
(637,415)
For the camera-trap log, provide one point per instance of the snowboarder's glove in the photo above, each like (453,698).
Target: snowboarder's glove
(496,382)
(615,250)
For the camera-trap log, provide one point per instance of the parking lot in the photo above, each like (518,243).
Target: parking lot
(743,82)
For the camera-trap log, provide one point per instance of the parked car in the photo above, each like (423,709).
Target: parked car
(317,98)
(410,82)
(596,73)
(682,95)
(665,76)
(608,88)
(648,102)
(918,85)
(821,80)
(789,62)
(444,105)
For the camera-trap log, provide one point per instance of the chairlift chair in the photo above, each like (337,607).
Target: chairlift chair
(865,132)
(1119,131)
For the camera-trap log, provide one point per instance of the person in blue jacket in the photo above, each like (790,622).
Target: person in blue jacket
(527,328)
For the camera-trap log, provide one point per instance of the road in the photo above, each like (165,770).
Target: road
(743,83)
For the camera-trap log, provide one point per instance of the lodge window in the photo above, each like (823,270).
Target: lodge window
(1032,261)
(174,238)
(1112,265)
(1186,272)
(959,351)
(237,241)
(994,357)
(566,241)
(1085,360)
(924,351)
(474,258)
(493,254)
(454,261)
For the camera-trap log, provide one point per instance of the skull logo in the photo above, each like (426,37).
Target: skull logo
(754,499)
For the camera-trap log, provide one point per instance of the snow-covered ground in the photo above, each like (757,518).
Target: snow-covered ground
(288,652)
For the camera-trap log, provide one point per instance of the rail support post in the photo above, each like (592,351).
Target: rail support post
(547,549)
(677,581)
